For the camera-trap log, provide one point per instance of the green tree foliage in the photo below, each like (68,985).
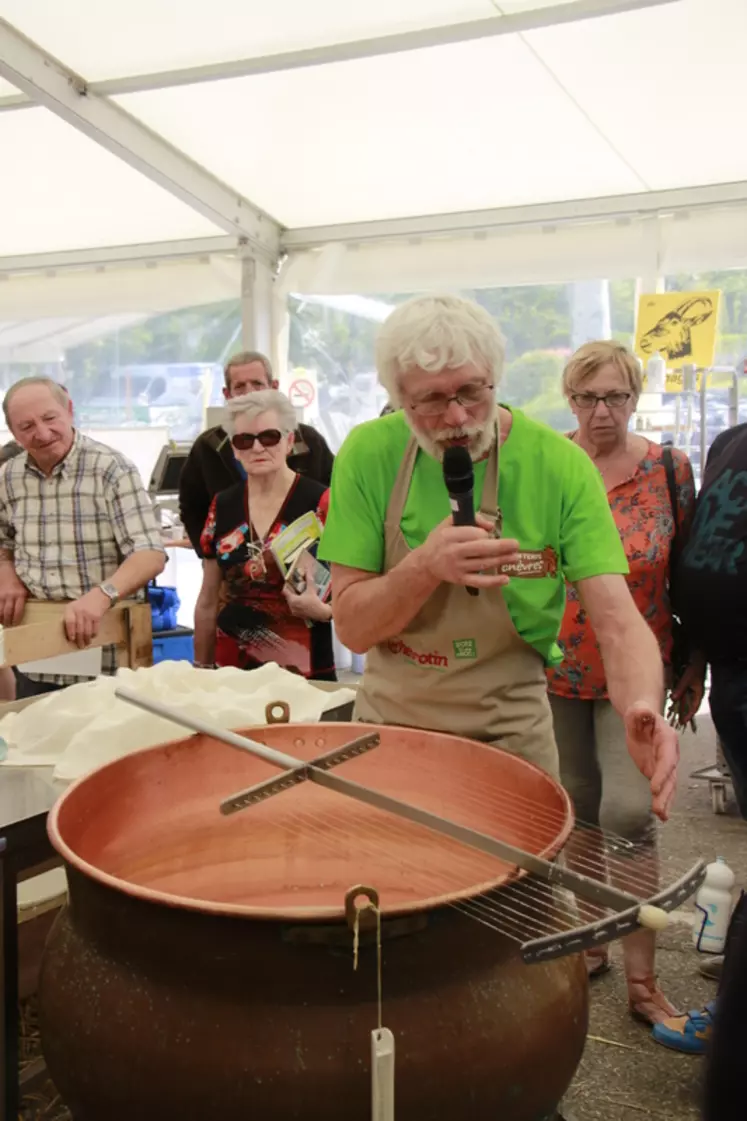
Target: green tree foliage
(535,319)
(199,334)
(533,382)
(333,342)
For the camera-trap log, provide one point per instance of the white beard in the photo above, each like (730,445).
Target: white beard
(481,436)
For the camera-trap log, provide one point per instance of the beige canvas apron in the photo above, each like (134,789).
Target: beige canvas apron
(460,665)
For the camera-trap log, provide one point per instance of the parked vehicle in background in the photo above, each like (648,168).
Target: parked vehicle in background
(173,395)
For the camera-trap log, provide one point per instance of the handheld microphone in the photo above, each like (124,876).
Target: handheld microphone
(459,477)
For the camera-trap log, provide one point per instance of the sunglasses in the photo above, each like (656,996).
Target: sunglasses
(244,441)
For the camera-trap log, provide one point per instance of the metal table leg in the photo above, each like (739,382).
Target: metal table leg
(9,981)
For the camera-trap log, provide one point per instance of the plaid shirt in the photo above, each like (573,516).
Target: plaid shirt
(70,531)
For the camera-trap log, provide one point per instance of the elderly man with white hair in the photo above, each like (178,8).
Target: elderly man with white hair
(262,617)
(438,657)
(75,524)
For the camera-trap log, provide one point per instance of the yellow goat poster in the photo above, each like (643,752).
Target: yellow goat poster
(680,325)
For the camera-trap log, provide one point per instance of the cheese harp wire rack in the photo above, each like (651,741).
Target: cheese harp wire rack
(602,888)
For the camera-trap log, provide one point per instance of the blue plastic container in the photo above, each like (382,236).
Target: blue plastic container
(164,604)
(174,646)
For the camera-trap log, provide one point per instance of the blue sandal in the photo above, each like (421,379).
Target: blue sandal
(690,1034)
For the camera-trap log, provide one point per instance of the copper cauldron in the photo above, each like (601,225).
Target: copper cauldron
(204,968)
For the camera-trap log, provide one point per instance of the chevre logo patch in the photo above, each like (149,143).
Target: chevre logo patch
(465,648)
(533,564)
(428,659)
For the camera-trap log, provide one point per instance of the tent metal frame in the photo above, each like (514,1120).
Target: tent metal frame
(48,82)
(622,208)
(513,23)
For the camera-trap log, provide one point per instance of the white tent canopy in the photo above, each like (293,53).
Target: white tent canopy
(430,141)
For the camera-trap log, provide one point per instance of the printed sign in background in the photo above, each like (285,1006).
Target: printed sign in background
(682,327)
(302,388)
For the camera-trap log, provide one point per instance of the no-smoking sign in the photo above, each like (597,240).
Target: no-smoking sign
(301,393)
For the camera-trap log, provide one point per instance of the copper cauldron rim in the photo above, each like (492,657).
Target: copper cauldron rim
(291,914)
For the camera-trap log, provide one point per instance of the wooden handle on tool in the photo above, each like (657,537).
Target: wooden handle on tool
(653,918)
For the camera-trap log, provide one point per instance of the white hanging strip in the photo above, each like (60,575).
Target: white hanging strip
(382,1075)
(382,1050)
(360,900)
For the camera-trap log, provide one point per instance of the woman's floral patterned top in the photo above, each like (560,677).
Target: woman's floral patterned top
(643,515)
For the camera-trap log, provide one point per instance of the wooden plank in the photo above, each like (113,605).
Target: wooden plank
(34,641)
(41,634)
(49,611)
(138,648)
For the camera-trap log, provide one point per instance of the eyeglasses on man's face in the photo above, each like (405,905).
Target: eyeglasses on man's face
(469,397)
(616,400)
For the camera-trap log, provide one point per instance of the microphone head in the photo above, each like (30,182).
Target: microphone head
(459,471)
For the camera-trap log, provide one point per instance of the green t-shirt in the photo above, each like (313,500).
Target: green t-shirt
(551,495)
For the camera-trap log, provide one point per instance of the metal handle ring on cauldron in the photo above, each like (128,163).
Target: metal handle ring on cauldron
(364,914)
(272,708)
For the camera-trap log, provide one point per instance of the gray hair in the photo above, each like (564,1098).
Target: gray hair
(245,358)
(436,333)
(589,358)
(251,405)
(58,391)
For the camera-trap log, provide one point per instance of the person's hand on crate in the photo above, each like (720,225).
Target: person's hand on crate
(83,616)
(13,593)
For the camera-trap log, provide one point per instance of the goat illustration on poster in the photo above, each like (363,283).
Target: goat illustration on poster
(680,325)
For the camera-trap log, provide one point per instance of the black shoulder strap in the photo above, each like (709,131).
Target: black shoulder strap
(672,488)
(671,478)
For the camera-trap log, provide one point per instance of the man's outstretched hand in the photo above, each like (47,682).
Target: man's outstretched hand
(655,750)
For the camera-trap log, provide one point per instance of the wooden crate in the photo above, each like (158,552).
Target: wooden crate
(38,636)
(41,634)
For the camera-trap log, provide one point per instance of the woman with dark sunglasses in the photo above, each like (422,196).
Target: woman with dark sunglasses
(247,612)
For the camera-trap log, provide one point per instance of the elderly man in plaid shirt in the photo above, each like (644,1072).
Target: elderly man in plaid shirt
(75,522)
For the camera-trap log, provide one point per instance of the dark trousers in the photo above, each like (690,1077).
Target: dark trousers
(728,702)
(724,1080)
(26,687)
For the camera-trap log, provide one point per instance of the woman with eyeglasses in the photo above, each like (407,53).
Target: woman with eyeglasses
(262,617)
(602,382)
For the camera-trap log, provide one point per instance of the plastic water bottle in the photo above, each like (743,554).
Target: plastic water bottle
(713,905)
(656,374)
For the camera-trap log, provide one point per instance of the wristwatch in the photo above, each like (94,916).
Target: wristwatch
(110,591)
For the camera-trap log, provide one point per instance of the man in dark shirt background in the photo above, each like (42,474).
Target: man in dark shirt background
(211,466)
(9,451)
(711,587)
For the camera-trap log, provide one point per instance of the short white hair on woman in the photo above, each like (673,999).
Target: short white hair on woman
(437,333)
(252,405)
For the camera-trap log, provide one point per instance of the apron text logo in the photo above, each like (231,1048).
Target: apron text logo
(396,646)
(465,648)
(533,564)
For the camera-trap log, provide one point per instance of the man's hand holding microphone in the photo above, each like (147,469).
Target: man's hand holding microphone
(468,555)
(463,549)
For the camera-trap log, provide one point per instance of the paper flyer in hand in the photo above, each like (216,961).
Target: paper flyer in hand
(304,533)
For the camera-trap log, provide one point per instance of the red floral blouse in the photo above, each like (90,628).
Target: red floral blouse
(643,515)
